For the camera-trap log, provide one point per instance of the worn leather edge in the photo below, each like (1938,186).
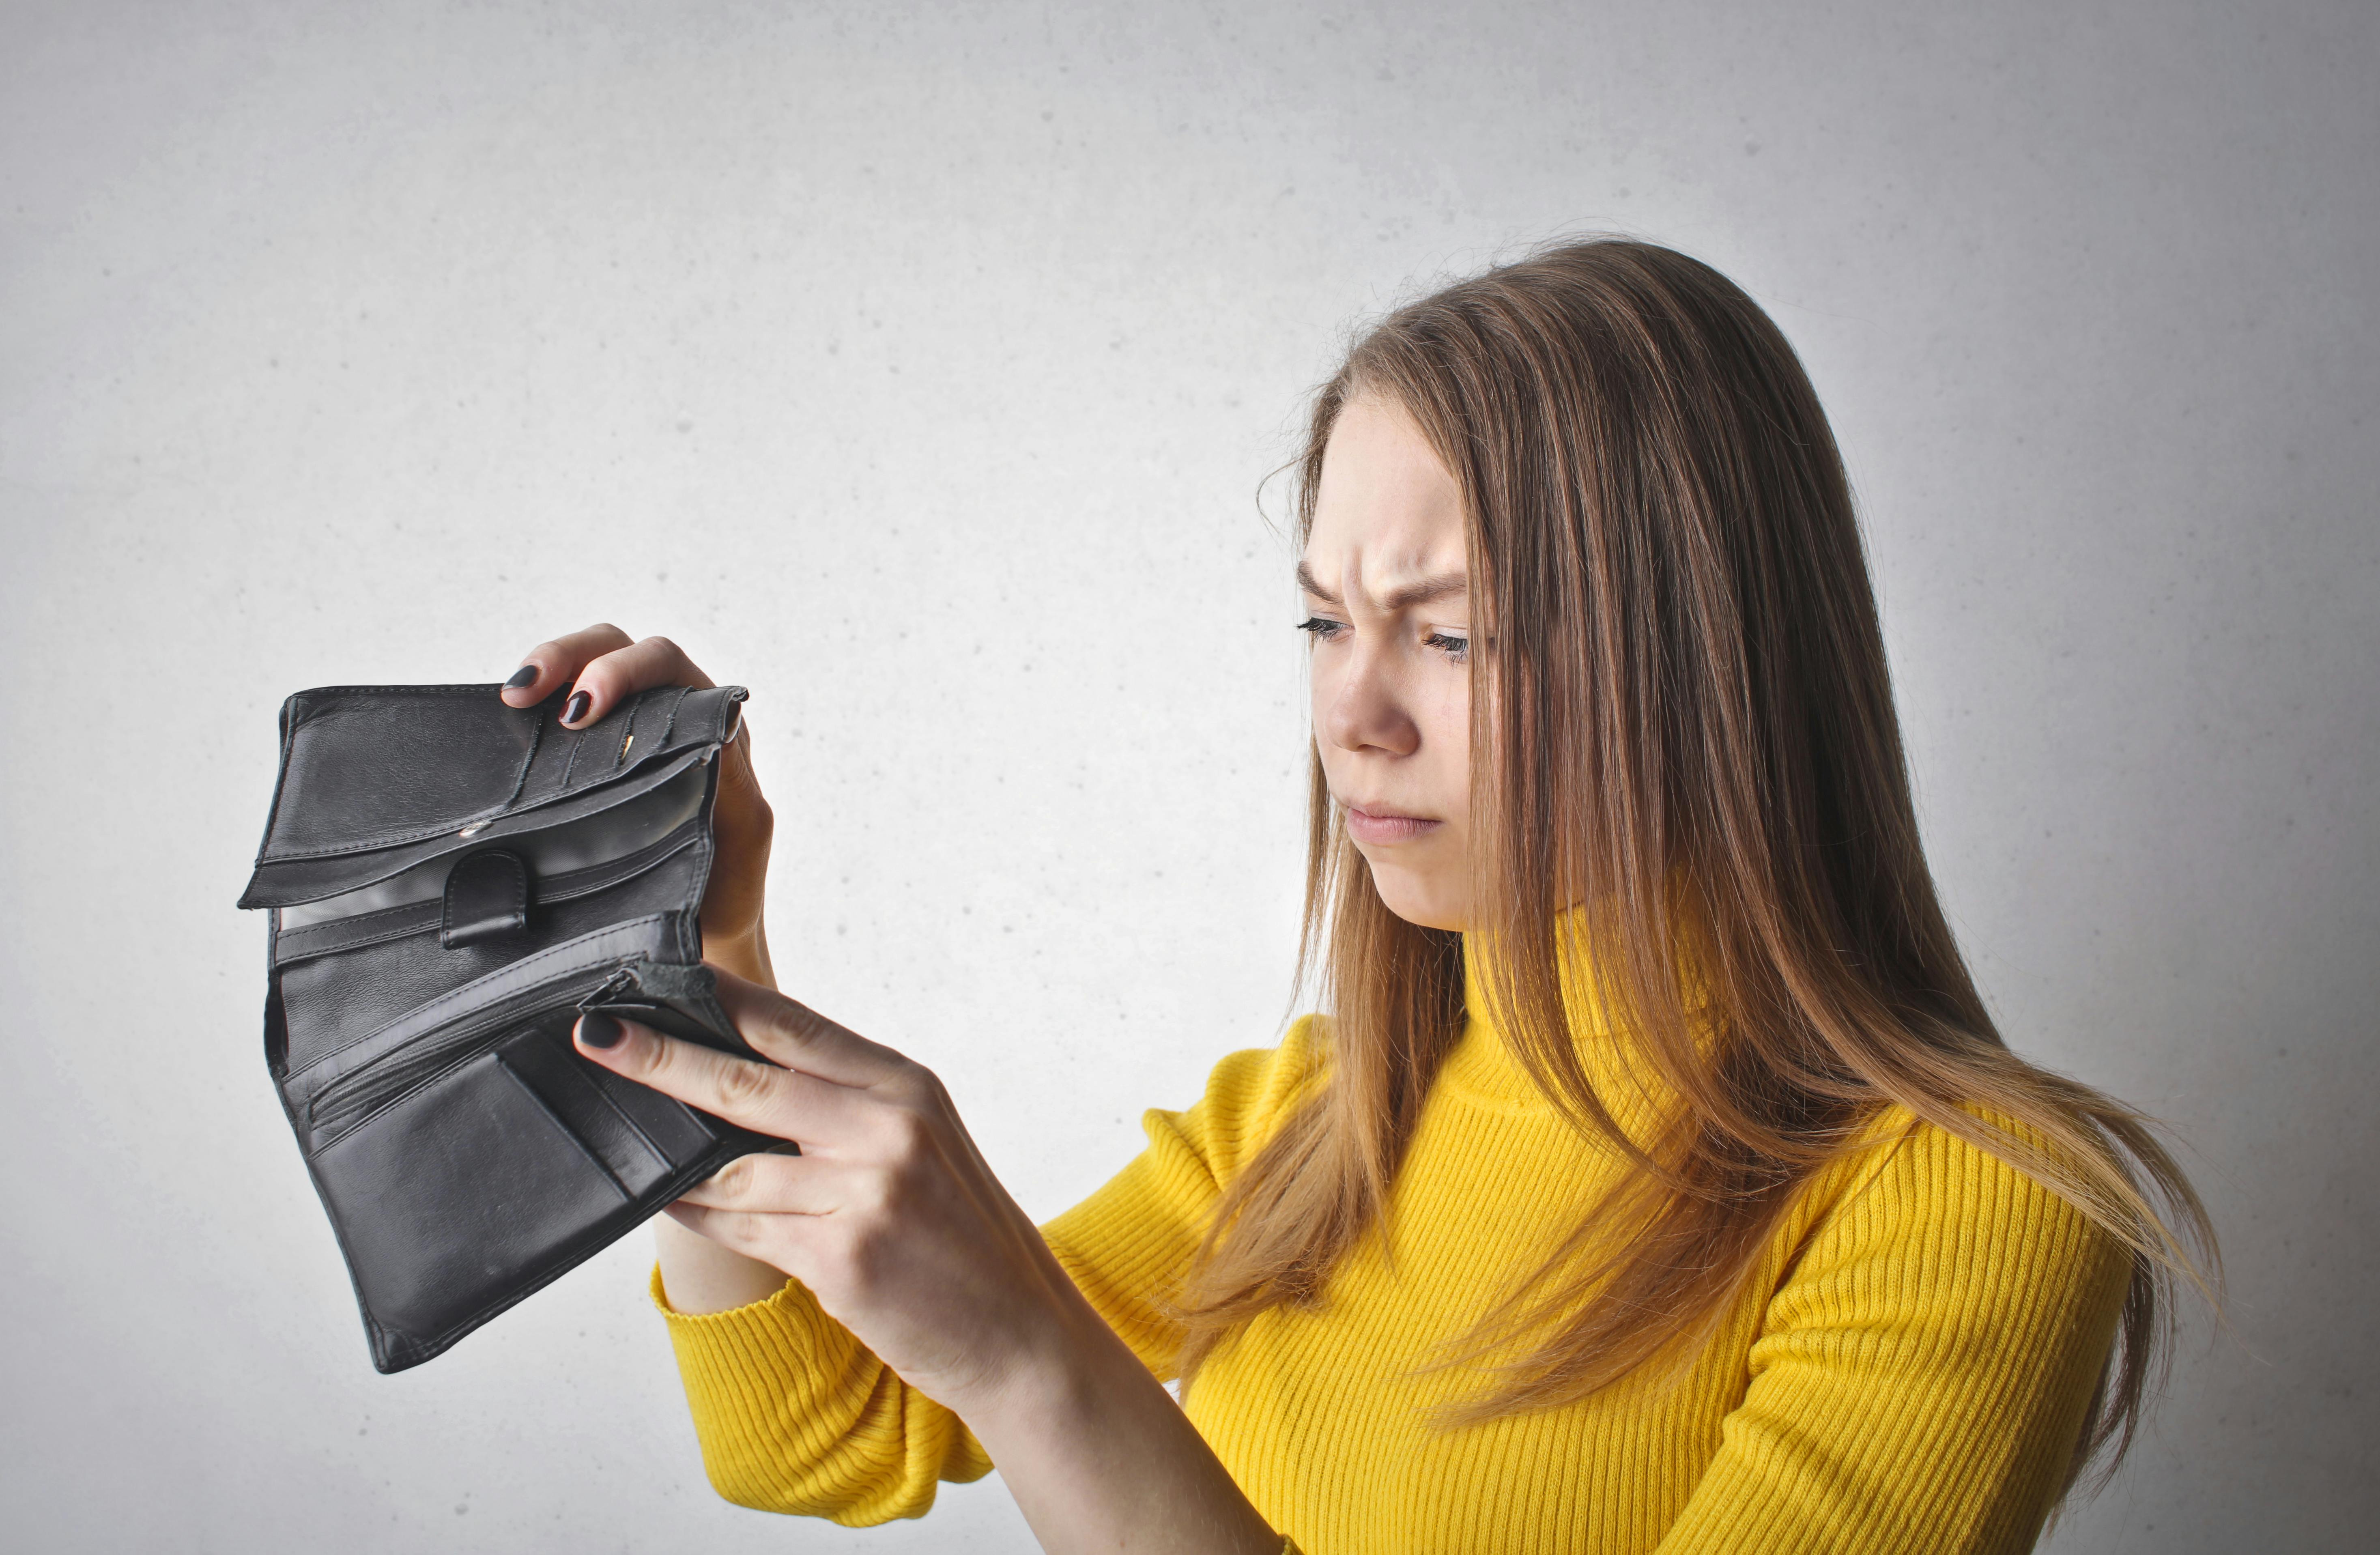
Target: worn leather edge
(724,718)
(720,702)
(271,884)
(393,1350)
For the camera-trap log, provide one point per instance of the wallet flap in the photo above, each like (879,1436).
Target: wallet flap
(375,780)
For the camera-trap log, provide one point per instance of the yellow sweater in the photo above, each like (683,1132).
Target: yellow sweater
(1909,1371)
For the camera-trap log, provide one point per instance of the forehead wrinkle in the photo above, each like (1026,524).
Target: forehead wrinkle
(1401,596)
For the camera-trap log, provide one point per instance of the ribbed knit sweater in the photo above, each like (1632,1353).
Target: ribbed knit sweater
(1909,1370)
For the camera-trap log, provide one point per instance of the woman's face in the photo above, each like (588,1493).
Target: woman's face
(1389,606)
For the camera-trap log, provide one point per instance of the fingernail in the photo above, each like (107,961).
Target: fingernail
(575,709)
(524,675)
(597,1029)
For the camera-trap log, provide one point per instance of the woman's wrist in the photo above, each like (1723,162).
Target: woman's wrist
(699,1277)
(1099,1456)
(1054,1378)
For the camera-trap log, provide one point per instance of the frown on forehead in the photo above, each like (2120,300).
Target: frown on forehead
(1388,517)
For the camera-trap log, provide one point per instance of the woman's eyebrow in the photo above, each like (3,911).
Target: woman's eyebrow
(1307,581)
(1420,592)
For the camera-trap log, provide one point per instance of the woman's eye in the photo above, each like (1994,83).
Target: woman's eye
(1455,645)
(1321,629)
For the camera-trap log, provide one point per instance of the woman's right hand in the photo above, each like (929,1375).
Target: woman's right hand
(891,1220)
(603,665)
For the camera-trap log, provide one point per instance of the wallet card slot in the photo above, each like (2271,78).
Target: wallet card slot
(460,1192)
(672,1126)
(354,1097)
(558,1079)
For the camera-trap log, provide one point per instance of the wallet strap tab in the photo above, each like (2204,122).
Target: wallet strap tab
(487,898)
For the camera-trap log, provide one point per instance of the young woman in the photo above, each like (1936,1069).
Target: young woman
(1655,1177)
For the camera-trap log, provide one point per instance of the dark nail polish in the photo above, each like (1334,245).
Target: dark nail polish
(597,1029)
(575,709)
(524,675)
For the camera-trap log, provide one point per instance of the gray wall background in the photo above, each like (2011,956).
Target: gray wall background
(917,367)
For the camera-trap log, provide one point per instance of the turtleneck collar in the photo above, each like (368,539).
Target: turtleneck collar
(1484,1069)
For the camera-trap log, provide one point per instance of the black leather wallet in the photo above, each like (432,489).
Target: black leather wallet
(452,880)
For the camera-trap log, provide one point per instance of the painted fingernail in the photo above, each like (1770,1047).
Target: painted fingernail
(575,709)
(597,1029)
(524,675)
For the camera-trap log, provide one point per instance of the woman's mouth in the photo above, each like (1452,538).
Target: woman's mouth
(1377,827)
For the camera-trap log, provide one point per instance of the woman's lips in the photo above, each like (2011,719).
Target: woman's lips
(1381,826)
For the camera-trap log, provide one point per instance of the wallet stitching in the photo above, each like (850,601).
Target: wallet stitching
(451,994)
(669,722)
(401,839)
(289,744)
(405,839)
(361,918)
(579,740)
(280,779)
(567,886)
(520,779)
(305,950)
(322,930)
(555,889)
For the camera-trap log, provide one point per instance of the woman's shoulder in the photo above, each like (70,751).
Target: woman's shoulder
(1961,1203)
(1249,1095)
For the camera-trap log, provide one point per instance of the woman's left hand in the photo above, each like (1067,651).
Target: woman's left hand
(890,1215)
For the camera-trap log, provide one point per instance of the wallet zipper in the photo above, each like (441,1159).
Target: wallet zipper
(408,1069)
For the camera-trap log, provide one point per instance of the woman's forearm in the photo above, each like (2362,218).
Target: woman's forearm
(1100,1458)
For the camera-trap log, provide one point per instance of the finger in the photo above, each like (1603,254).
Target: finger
(626,670)
(556,663)
(756,1096)
(774,1184)
(792,1033)
(734,1230)
(735,770)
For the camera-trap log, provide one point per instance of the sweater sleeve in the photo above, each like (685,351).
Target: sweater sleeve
(1129,1245)
(1922,1373)
(794,1414)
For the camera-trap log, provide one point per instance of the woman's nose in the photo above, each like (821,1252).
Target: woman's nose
(1367,713)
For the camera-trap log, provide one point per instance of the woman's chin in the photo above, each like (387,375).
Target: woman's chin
(1426,902)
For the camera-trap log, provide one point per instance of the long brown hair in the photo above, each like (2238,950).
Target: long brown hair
(1683,728)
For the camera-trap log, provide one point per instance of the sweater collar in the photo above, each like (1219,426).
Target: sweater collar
(1485,1068)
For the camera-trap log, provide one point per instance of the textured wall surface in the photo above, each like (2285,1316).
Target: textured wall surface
(918,369)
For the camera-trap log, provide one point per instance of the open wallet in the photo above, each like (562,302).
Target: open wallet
(451,882)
